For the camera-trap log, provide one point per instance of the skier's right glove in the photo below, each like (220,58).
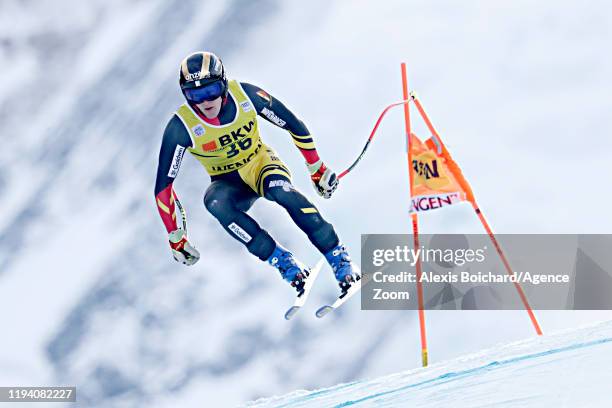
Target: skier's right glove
(182,250)
(323,178)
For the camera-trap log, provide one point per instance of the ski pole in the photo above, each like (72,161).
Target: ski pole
(183,213)
(384,112)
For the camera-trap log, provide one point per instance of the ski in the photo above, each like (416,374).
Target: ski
(355,288)
(300,300)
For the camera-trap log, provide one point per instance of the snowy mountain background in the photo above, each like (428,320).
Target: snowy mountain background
(89,293)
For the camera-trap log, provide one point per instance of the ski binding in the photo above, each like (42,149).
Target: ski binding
(300,300)
(355,288)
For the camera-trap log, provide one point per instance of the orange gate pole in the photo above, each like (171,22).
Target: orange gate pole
(415,224)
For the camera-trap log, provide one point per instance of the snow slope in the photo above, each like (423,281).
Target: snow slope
(568,369)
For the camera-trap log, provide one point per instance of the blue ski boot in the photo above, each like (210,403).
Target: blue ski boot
(342,265)
(284,261)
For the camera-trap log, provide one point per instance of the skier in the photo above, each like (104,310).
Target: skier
(218,125)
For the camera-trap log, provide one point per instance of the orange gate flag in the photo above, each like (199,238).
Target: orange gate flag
(437,180)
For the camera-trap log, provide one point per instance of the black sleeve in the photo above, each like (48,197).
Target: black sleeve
(273,110)
(174,143)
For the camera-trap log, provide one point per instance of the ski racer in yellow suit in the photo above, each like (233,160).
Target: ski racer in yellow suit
(218,125)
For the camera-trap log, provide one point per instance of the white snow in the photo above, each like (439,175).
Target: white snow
(565,369)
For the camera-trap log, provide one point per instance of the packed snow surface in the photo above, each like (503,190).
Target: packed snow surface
(568,369)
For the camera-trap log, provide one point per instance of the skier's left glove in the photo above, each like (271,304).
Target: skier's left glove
(323,178)
(182,250)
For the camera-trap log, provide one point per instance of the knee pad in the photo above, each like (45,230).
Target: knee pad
(217,201)
(212,204)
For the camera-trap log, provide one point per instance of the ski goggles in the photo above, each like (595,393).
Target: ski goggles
(208,92)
